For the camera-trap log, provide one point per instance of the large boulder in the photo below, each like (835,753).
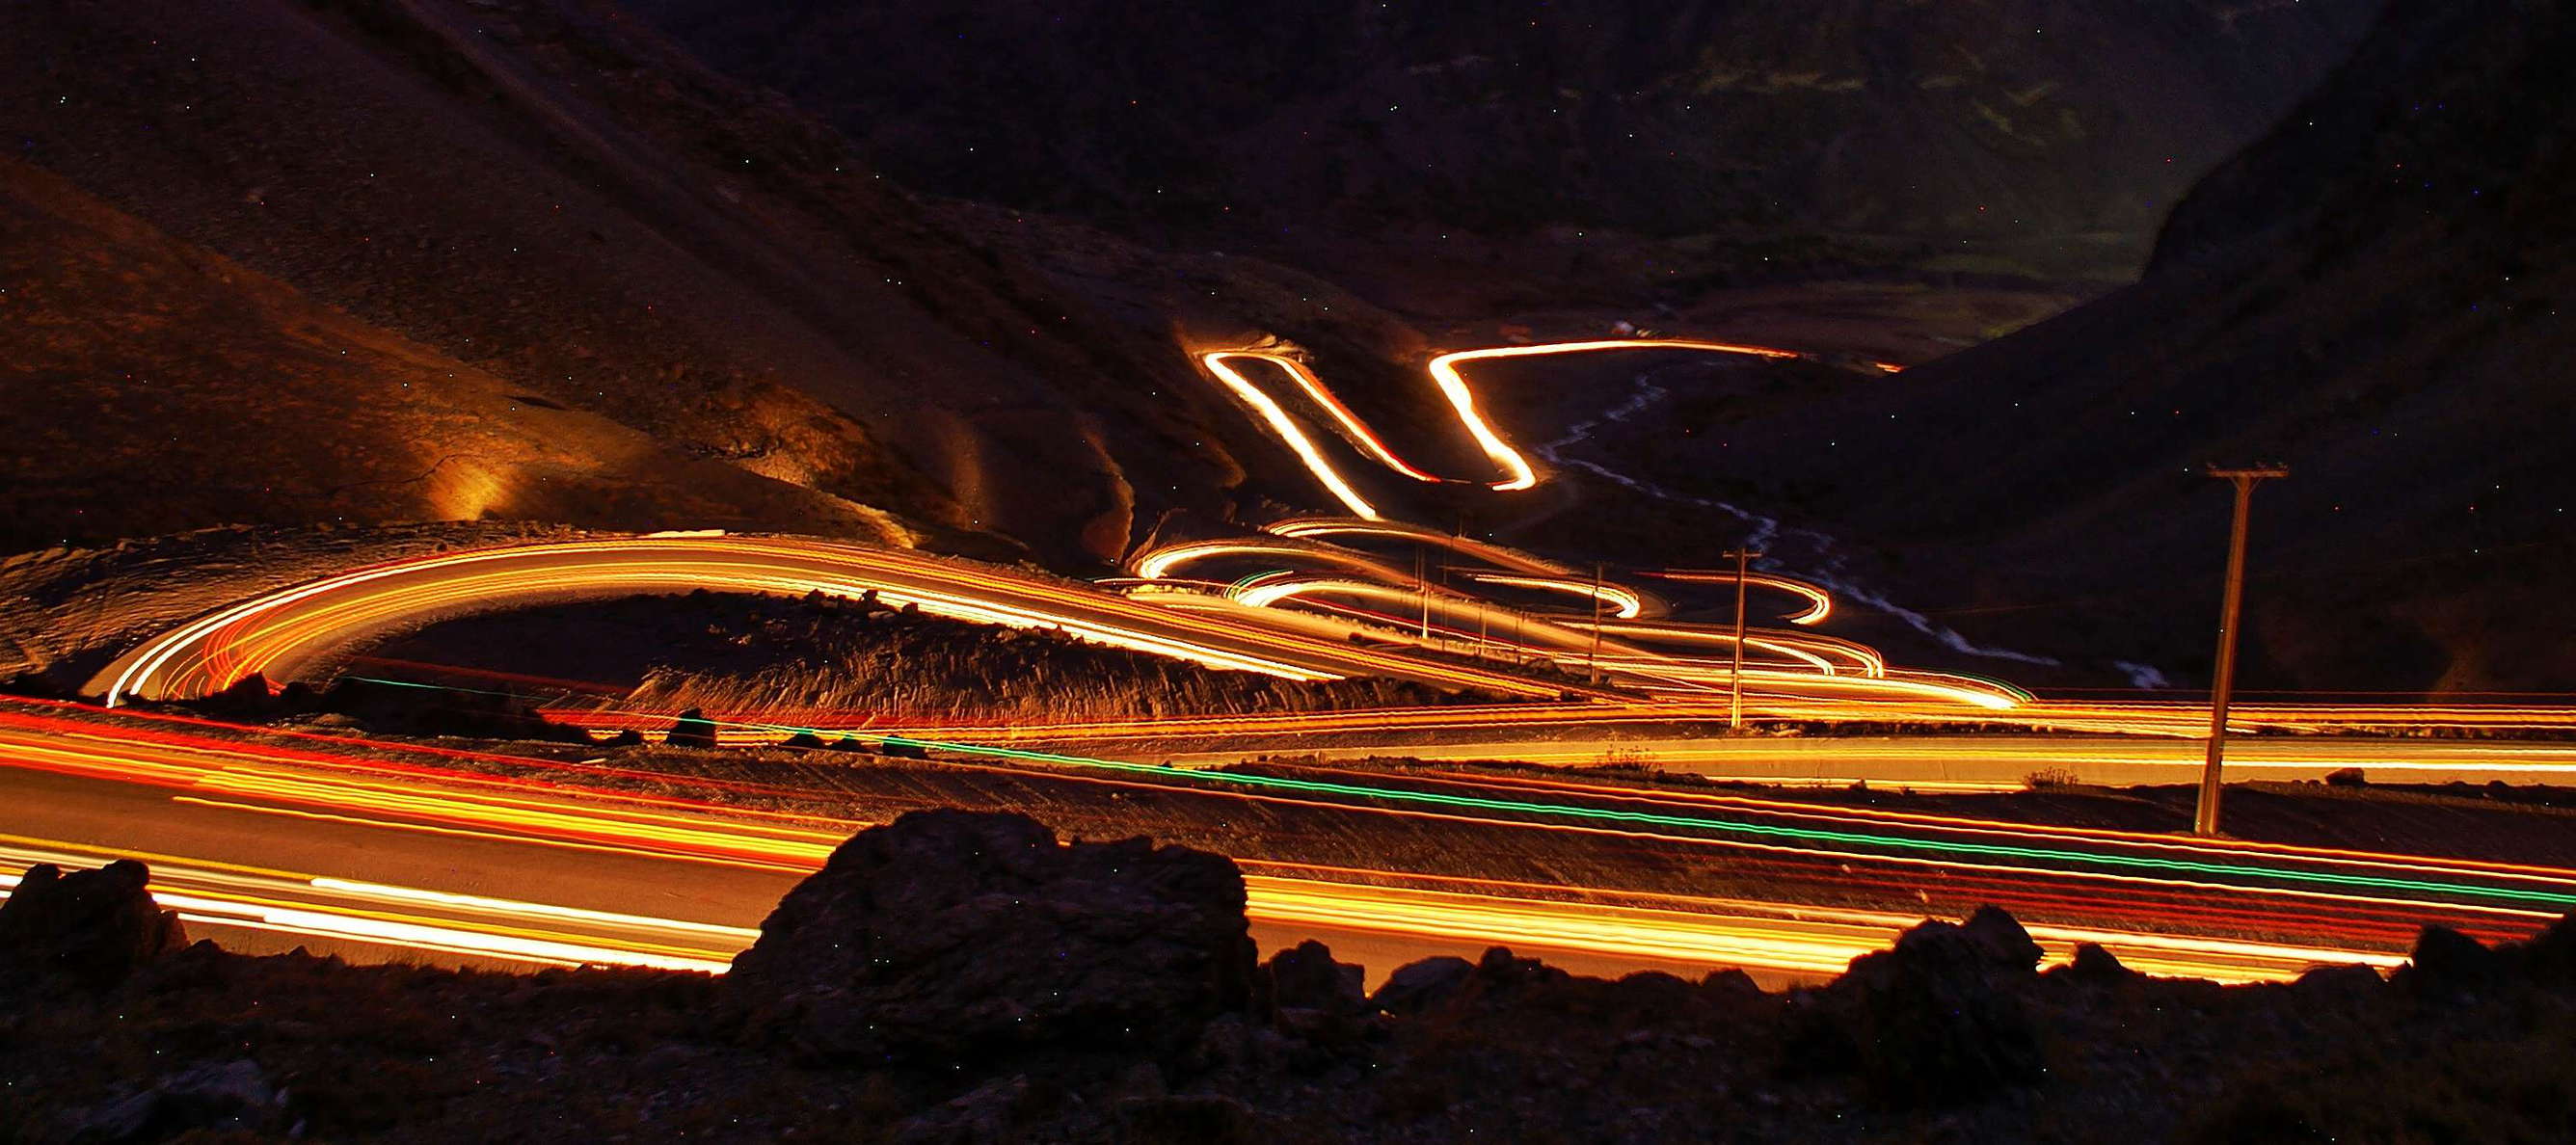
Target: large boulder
(94,927)
(2449,964)
(2095,966)
(1938,1018)
(1420,987)
(2549,957)
(951,936)
(692,729)
(1306,977)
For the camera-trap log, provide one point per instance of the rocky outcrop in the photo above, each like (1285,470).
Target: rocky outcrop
(951,936)
(2447,964)
(1306,977)
(1940,1018)
(692,729)
(1419,987)
(2450,966)
(2094,966)
(94,927)
(210,1045)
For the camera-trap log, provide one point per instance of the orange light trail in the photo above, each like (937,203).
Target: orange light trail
(1288,432)
(1516,469)
(1820,604)
(280,633)
(1352,427)
(1807,666)
(1625,603)
(1786,936)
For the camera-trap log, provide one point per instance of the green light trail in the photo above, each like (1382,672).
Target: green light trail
(1658,819)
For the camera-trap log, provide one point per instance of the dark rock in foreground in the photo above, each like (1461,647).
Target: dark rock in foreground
(94,927)
(218,1096)
(951,935)
(1940,1018)
(964,978)
(1306,977)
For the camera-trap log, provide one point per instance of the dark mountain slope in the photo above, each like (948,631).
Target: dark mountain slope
(1989,120)
(548,193)
(2372,293)
(152,386)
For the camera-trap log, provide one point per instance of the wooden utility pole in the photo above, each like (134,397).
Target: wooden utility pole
(1735,679)
(2205,816)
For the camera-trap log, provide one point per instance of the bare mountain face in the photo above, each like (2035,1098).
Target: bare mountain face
(2040,132)
(543,202)
(2374,293)
(153,386)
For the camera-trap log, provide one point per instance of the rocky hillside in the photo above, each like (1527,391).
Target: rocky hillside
(830,662)
(155,386)
(539,213)
(2023,124)
(2373,293)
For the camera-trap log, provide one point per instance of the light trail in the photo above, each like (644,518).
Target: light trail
(1926,696)
(1500,556)
(1288,432)
(281,633)
(1625,603)
(1160,563)
(548,814)
(1820,604)
(1803,940)
(1806,647)
(1352,427)
(231,897)
(1516,469)
(2267,886)
(1517,473)
(1808,667)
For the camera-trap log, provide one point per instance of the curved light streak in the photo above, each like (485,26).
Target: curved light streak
(275,633)
(1820,604)
(1289,433)
(1861,656)
(1625,603)
(1500,556)
(1160,563)
(1352,427)
(1792,664)
(1453,387)
(1516,469)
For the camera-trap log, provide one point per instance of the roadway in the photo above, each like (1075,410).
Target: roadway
(425,851)
(1999,762)
(285,633)
(266,847)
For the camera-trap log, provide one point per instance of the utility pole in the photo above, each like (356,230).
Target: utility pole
(1735,679)
(2205,817)
(1596,622)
